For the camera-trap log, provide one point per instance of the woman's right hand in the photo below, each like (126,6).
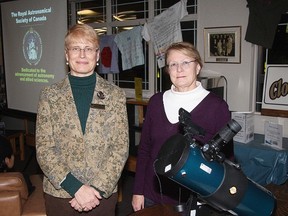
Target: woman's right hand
(138,202)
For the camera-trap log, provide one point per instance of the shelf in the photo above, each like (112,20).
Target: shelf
(143,102)
(139,104)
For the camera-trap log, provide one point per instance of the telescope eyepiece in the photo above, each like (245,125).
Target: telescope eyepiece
(211,150)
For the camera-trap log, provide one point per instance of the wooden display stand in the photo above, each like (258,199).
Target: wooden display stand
(139,104)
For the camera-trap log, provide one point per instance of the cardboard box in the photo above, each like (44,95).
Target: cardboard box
(246,120)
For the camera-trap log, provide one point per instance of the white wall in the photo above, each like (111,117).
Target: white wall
(241,77)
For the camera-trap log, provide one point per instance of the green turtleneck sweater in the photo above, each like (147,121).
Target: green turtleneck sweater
(82,89)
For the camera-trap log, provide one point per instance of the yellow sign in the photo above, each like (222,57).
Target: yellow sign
(138,88)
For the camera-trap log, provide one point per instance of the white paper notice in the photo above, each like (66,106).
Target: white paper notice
(273,134)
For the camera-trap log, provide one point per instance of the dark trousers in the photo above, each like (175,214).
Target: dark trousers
(59,207)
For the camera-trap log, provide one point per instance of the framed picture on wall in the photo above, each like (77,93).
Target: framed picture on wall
(222,44)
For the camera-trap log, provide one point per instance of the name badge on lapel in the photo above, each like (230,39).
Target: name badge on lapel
(101,96)
(97,106)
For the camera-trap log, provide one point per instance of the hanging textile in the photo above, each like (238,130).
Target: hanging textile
(131,47)
(109,55)
(165,29)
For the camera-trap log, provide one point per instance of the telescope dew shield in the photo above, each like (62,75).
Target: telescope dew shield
(219,184)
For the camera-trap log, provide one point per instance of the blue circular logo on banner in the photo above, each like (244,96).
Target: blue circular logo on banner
(32,47)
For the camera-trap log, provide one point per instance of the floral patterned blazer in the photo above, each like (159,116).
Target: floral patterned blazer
(97,157)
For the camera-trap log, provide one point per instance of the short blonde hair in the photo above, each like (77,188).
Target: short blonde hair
(185,48)
(81,31)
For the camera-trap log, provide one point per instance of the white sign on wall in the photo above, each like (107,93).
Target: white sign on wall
(275,92)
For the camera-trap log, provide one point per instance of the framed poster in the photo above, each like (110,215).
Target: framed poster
(222,44)
(275,91)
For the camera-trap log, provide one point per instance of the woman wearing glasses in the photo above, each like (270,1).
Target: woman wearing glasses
(183,64)
(81,133)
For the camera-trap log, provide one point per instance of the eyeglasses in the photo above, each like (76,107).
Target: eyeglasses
(87,50)
(173,66)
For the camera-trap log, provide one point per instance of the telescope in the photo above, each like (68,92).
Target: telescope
(204,170)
